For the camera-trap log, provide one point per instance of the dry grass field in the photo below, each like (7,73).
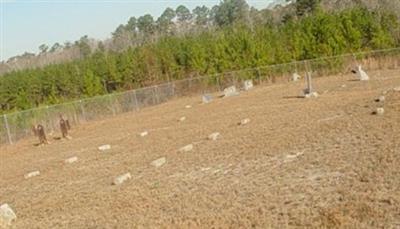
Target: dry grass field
(300,163)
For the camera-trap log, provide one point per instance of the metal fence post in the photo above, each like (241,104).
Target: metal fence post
(112,105)
(8,129)
(156,91)
(136,101)
(82,110)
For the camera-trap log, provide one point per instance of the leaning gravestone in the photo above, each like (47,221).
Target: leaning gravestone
(7,216)
(248,84)
(207,98)
(230,91)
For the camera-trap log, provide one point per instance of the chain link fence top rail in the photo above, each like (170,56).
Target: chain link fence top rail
(15,126)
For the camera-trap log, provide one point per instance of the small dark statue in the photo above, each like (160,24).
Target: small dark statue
(39,132)
(64,127)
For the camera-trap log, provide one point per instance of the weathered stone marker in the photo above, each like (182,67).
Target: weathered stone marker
(296,77)
(380,111)
(214,136)
(7,216)
(104,147)
(186,148)
(207,98)
(159,162)
(380,99)
(230,91)
(362,75)
(144,134)
(71,160)
(248,85)
(244,122)
(31,174)
(122,178)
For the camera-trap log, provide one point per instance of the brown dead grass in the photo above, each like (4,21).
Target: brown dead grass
(318,163)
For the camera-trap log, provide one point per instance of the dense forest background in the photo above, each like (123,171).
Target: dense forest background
(183,43)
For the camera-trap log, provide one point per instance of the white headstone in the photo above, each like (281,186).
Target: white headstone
(7,216)
(122,178)
(381,98)
(186,148)
(32,174)
(214,136)
(144,134)
(296,77)
(362,74)
(244,122)
(104,147)
(248,84)
(182,119)
(188,106)
(207,98)
(159,162)
(380,111)
(230,91)
(396,89)
(71,160)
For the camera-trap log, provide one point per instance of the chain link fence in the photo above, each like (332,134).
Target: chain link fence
(15,126)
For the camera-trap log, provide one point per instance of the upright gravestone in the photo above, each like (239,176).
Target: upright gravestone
(230,91)
(248,84)
(295,77)
(207,98)
(362,75)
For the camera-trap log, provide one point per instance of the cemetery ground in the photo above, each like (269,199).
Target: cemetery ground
(318,162)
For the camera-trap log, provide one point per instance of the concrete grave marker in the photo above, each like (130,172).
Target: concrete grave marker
(380,111)
(31,174)
(159,162)
(380,99)
(186,148)
(244,122)
(122,178)
(207,98)
(214,136)
(362,75)
(7,216)
(144,134)
(71,160)
(296,77)
(248,84)
(104,147)
(230,91)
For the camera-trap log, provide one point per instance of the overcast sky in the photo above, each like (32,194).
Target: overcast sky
(25,24)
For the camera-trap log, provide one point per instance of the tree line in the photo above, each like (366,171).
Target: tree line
(181,44)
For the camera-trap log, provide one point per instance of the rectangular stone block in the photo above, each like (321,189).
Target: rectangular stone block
(122,178)
(71,160)
(7,216)
(32,174)
(230,91)
(159,162)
